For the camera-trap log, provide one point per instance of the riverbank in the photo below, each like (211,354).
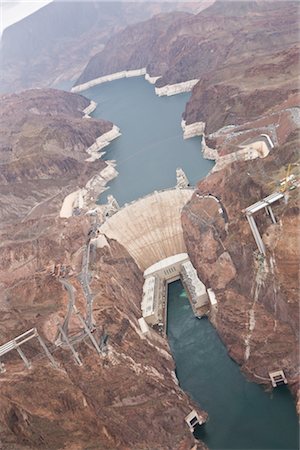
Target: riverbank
(110,77)
(177,88)
(257,149)
(167,90)
(102,141)
(213,380)
(152,143)
(84,199)
(89,109)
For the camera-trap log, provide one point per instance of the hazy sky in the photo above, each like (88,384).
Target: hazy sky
(12,11)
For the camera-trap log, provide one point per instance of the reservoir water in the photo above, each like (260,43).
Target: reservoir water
(242,415)
(151,146)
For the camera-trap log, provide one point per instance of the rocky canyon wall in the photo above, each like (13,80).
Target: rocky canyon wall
(125,399)
(257,296)
(128,396)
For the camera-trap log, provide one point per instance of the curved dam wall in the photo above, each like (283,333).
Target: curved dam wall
(150,228)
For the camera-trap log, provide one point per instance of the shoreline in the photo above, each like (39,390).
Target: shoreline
(177,88)
(89,109)
(150,79)
(102,141)
(244,152)
(77,199)
(110,77)
(85,198)
(193,129)
(167,90)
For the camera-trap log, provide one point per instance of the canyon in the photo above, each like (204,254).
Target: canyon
(240,62)
(53,45)
(229,56)
(81,406)
(261,295)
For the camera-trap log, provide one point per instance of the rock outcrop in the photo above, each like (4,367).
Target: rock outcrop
(178,49)
(257,296)
(54,44)
(127,397)
(245,57)
(43,151)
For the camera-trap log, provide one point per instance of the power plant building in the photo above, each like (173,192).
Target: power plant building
(151,304)
(195,288)
(157,278)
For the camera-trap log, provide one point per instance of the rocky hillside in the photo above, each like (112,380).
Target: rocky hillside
(135,47)
(127,397)
(211,44)
(246,58)
(56,42)
(43,145)
(257,296)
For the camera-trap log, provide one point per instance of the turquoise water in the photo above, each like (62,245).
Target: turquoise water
(151,146)
(241,414)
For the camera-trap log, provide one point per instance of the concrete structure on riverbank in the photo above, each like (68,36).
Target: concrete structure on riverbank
(152,306)
(150,228)
(196,290)
(158,276)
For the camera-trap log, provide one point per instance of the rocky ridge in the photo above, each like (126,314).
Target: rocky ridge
(231,56)
(126,398)
(179,47)
(44,138)
(84,406)
(257,296)
(54,44)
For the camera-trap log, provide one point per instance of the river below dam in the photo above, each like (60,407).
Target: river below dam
(242,415)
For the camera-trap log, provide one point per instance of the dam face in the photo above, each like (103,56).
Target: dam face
(150,228)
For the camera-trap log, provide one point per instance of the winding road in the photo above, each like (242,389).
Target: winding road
(84,278)
(69,288)
(222,209)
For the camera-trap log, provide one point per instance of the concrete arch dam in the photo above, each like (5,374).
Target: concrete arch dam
(150,228)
